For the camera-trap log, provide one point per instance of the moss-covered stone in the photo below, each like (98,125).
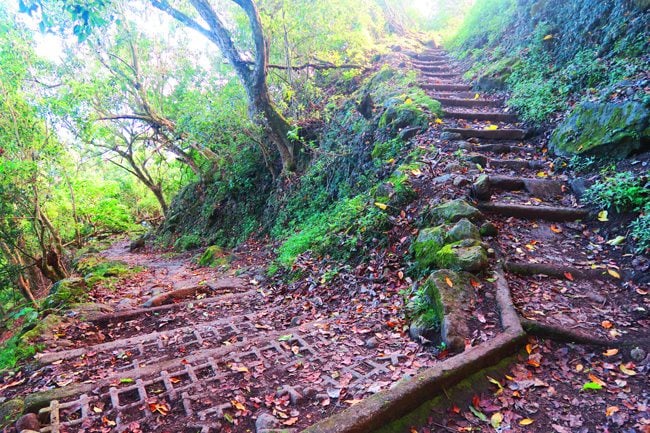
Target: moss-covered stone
(607,129)
(464,229)
(213,256)
(427,245)
(43,330)
(446,293)
(66,292)
(10,411)
(453,211)
(462,257)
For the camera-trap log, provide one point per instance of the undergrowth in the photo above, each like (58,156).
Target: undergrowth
(625,192)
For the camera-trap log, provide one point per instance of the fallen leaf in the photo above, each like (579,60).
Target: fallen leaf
(496,419)
(438,121)
(476,96)
(611,410)
(449,282)
(610,352)
(526,421)
(624,368)
(596,379)
(381,206)
(592,386)
(352,402)
(548,37)
(613,273)
(290,421)
(478,414)
(606,324)
(556,229)
(602,216)
(285,337)
(568,276)
(492,127)
(616,241)
(161,408)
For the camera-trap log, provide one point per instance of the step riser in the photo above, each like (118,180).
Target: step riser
(450,102)
(499,134)
(446,87)
(492,117)
(535,212)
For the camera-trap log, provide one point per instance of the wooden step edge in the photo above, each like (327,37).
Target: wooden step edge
(546,213)
(495,134)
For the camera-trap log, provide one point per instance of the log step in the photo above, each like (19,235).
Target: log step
(456,102)
(446,87)
(546,213)
(556,271)
(479,115)
(419,64)
(456,96)
(494,134)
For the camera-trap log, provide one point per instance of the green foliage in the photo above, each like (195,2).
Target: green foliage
(188,242)
(563,50)
(641,230)
(623,191)
(338,232)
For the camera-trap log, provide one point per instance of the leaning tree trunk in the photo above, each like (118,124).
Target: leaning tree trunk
(253,79)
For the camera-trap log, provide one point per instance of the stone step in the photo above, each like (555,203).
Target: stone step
(455,95)
(419,64)
(509,164)
(458,102)
(501,148)
(481,115)
(545,189)
(547,213)
(493,134)
(438,69)
(446,87)
(441,75)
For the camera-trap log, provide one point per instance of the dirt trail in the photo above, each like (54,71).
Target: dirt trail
(214,362)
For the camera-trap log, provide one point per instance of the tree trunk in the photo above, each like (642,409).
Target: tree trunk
(254,80)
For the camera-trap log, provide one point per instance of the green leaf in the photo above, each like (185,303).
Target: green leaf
(285,337)
(126,380)
(616,241)
(478,414)
(592,386)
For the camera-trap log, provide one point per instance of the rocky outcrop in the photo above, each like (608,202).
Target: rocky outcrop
(611,129)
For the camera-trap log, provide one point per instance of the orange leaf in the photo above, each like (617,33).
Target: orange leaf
(455,409)
(610,352)
(606,324)
(449,282)
(556,229)
(534,362)
(611,410)
(568,276)
(595,379)
(475,284)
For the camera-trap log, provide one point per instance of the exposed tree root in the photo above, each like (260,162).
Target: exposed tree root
(557,271)
(566,335)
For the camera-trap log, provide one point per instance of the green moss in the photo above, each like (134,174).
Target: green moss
(462,256)
(427,245)
(213,256)
(66,292)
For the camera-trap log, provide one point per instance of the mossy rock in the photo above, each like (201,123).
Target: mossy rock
(427,245)
(453,211)
(460,256)
(604,129)
(66,292)
(447,293)
(464,229)
(187,242)
(42,331)
(10,411)
(213,256)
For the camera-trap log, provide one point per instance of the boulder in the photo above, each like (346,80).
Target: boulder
(28,422)
(453,211)
(265,421)
(451,136)
(614,129)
